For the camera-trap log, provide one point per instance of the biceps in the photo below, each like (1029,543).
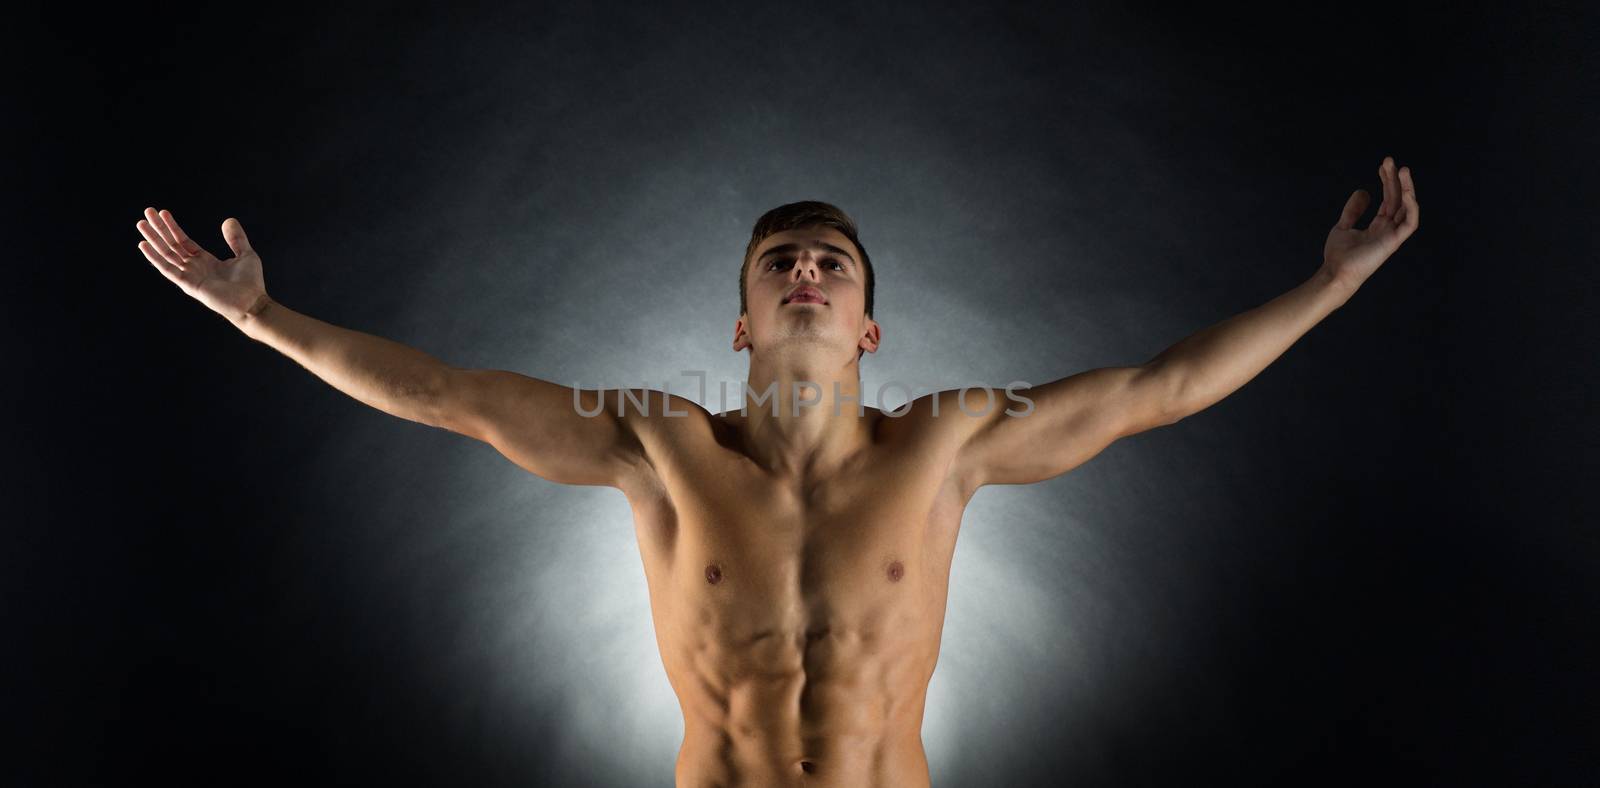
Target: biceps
(565,435)
(1072,420)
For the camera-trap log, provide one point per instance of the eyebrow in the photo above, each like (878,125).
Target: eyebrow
(794,247)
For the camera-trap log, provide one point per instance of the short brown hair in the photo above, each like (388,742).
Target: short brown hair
(797,216)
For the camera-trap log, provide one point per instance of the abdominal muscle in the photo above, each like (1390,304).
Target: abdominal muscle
(798,620)
(840,706)
(796,666)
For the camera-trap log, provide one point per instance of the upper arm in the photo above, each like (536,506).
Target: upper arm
(538,425)
(1071,420)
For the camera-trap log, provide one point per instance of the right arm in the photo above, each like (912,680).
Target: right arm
(394,378)
(537,424)
(533,422)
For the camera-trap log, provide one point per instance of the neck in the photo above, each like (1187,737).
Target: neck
(808,416)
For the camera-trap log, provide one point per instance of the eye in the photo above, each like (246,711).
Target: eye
(776,261)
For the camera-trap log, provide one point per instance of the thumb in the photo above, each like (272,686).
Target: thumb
(233,233)
(1353,208)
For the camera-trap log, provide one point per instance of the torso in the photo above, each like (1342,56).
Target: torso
(798,618)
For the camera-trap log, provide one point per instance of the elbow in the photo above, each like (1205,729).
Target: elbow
(1167,417)
(426,398)
(1166,391)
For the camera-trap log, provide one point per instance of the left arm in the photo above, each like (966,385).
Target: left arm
(1209,365)
(1076,417)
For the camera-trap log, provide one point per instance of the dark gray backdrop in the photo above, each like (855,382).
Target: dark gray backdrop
(1376,560)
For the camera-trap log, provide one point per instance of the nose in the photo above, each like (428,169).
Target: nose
(806,267)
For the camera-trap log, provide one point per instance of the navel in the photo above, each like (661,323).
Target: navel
(896,571)
(713,574)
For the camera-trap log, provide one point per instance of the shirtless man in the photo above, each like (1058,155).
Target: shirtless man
(797,556)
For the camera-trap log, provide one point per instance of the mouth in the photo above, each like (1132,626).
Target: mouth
(805,295)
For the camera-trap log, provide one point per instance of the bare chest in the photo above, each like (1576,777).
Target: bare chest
(733,552)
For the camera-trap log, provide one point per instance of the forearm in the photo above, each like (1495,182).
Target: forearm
(1215,362)
(394,378)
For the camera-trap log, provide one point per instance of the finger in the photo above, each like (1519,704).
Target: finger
(154,219)
(1408,192)
(1391,199)
(167,269)
(160,244)
(184,242)
(1353,208)
(233,233)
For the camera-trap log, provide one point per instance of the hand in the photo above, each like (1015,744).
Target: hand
(232,288)
(1351,255)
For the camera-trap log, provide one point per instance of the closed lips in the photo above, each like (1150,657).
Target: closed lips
(806,295)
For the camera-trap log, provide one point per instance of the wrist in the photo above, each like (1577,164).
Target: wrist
(253,313)
(1326,280)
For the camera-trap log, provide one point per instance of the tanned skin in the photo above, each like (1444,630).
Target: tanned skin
(797,561)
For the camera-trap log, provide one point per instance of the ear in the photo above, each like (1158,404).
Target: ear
(741,333)
(871,337)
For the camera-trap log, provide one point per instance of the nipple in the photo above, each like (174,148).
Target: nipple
(713,574)
(897,570)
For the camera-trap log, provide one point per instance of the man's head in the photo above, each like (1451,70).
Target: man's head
(810,245)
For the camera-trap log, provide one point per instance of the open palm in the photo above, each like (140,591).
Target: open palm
(228,287)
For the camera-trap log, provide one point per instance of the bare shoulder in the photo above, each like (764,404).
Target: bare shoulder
(663,418)
(938,425)
(670,429)
(941,419)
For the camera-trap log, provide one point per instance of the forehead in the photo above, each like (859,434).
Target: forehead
(805,237)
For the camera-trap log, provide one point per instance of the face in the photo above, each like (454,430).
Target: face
(807,287)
